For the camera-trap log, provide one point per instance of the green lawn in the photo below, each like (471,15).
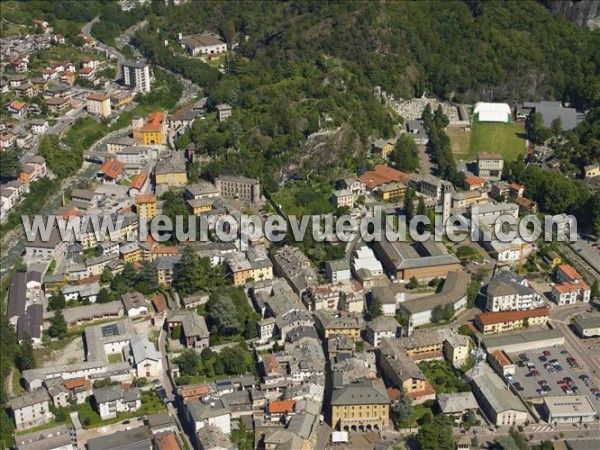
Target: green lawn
(508,139)
(444,378)
(114,358)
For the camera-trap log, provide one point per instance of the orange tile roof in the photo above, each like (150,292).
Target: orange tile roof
(570,287)
(570,272)
(281,406)
(112,169)
(159,303)
(138,181)
(154,122)
(471,181)
(17,105)
(383,175)
(74,383)
(491,318)
(525,202)
(166,441)
(163,250)
(502,358)
(145,198)
(194,390)
(87,70)
(97,97)
(515,186)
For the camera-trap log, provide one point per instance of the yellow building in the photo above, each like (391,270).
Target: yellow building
(145,206)
(200,205)
(592,171)
(153,131)
(361,406)
(348,325)
(499,322)
(383,148)
(98,104)
(393,191)
(130,253)
(171,171)
(456,348)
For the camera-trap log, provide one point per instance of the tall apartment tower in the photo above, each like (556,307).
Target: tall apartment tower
(137,75)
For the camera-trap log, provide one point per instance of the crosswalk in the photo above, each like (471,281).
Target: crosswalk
(541,429)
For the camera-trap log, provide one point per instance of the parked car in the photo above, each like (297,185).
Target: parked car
(547,353)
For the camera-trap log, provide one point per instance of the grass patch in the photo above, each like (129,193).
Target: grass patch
(444,378)
(419,411)
(508,139)
(298,199)
(114,358)
(16,381)
(151,404)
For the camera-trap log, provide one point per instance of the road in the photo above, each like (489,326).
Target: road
(86,31)
(588,359)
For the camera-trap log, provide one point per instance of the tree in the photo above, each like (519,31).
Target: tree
(406,154)
(413,283)
(9,164)
(421,210)
(375,308)
(409,203)
(57,301)
(595,290)
(188,362)
(26,358)
(104,296)
(222,315)
(402,408)
(435,282)
(207,354)
(436,435)
(196,273)
(233,360)
(556,127)
(140,382)
(58,325)
(535,127)
(147,279)
(472,293)
(176,332)
(475,443)
(437,314)
(448,311)
(106,276)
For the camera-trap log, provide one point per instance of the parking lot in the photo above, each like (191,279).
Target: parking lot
(542,374)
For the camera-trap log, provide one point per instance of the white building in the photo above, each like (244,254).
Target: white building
(493,112)
(135,304)
(212,411)
(31,409)
(508,291)
(146,360)
(563,409)
(587,325)
(381,327)
(338,270)
(136,75)
(569,293)
(204,44)
(111,400)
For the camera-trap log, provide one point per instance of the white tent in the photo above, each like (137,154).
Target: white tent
(339,436)
(492,112)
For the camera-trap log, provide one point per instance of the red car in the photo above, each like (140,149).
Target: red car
(547,353)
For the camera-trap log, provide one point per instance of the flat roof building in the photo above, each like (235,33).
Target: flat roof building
(572,409)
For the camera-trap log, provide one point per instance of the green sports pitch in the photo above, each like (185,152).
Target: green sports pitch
(508,139)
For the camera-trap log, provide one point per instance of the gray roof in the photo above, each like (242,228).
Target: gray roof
(47,439)
(554,110)
(31,323)
(454,288)
(492,343)
(113,393)
(588,321)
(457,403)
(370,392)
(199,411)
(16,295)
(142,349)
(406,256)
(29,398)
(136,439)
(133,300)
(135,64)
(211,437)
(85,194)
(383,323)
(500,288)
(338,264)
(494,391)
(302,424)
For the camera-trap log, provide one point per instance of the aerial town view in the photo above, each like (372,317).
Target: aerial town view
(297,225)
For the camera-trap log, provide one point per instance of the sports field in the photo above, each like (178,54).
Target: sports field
(508,139)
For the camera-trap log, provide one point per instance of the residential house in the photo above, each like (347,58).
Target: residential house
(381,327)
(135,304)
(508,291)
(111,400)
(31,409)
(99,105)
(145,206)
(151,132)
(499,322)
(145,359)
(211,411)
(490,166)
(203,44)
(193,328)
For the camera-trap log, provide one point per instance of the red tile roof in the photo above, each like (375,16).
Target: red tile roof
(74,383)
(17,105)
(87,70)
(471,181)
(138,181)
(112,169)
(167,441)
(383,175)
(154,122)
(281,406)
(502,358)
(570,287)
(145,198)
(570,272)
(491,318)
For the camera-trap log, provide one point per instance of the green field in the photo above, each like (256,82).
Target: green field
(505,138)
